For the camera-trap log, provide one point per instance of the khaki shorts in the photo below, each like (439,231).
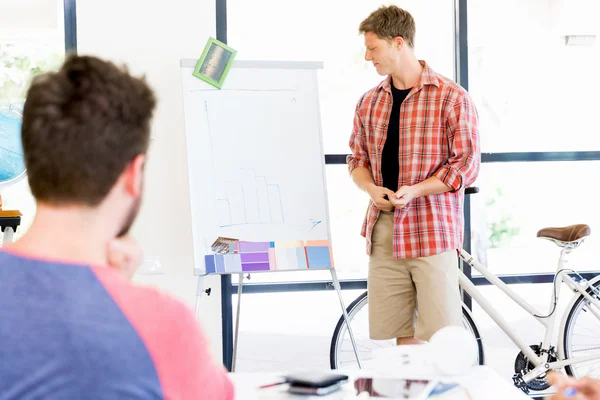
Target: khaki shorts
(413,296)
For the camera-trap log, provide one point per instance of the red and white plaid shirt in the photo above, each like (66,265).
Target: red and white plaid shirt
(438,137)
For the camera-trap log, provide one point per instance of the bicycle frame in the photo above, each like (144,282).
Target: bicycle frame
(549,322)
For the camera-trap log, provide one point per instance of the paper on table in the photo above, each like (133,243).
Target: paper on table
(409,361)
(449,391)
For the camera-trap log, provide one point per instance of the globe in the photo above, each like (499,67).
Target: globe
(12,164)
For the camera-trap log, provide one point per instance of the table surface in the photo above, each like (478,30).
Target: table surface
(481,382)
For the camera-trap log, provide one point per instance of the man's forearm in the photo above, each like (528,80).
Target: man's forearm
(431,186)
(363,178)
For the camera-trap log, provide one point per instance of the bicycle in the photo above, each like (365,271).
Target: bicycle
(579,322)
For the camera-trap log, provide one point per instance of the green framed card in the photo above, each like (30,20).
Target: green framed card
(215,62)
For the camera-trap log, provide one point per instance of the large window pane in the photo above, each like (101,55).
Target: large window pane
(518,199)
(328,31)
(31,41)
(294,31)
(534,90)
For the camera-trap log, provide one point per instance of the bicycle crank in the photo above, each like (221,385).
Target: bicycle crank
(523,366)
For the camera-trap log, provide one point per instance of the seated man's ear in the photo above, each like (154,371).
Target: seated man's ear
(134,175)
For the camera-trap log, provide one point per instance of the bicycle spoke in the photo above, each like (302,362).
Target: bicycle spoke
(582,339)
(363,346)
(342,351)
(378,345)
(585,363)
(593,346)
(595,369)
(583,327)
(360,346)
(581,334)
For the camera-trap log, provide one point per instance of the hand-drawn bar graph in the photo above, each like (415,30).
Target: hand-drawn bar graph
(273,209)
(252,200)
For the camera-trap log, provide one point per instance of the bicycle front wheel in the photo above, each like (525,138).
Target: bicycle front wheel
(581,337)
(341,352)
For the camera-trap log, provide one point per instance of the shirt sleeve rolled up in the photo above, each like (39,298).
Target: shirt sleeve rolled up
(359,156)
(464,162)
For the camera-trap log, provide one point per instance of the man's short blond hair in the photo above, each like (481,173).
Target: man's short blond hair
(389,22)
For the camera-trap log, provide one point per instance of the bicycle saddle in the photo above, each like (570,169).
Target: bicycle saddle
(569,233)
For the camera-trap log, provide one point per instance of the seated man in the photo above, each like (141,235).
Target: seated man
(71,326)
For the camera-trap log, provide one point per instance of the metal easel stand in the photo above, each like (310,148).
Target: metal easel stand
(237,322)
(338,289)
(336,286)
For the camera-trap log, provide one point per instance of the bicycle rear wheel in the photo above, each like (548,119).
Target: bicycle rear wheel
(581,337)
(341,352)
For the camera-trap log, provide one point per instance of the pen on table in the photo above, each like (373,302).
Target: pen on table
(268,385)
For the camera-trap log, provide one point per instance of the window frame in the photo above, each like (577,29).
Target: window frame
(461,75)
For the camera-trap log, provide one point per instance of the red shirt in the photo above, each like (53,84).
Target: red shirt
(72,331)
(439,137)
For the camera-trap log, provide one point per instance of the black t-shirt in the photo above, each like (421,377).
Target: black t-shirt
(390,166)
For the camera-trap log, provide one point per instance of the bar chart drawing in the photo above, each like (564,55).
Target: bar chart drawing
(251,200)
(256,170)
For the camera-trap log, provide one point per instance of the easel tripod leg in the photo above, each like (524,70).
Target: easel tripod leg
(336,285)
(237,322)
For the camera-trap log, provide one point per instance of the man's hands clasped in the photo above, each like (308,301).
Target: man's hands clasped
(387,200)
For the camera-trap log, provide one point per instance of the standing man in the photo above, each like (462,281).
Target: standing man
(415,147)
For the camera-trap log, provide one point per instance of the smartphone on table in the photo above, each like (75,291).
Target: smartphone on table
(315,383)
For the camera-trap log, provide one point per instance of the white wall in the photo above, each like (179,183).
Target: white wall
(27,18)
(150,38)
